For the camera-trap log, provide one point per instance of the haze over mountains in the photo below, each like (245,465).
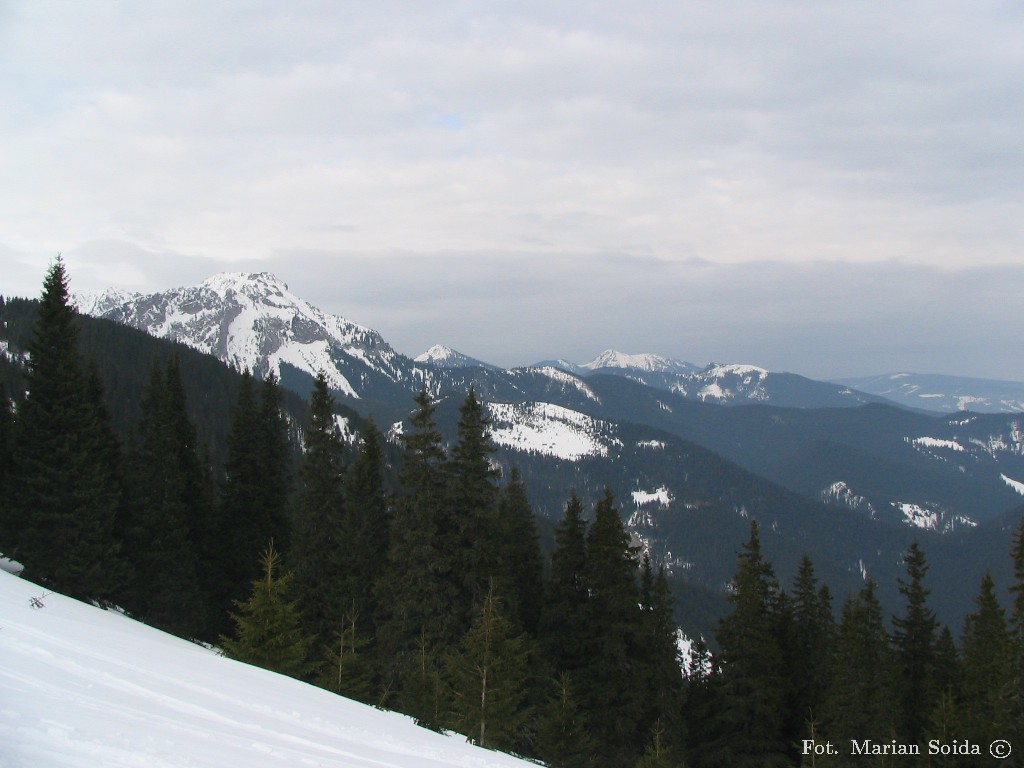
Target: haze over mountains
(840,472)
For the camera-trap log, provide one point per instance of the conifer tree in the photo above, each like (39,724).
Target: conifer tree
(1013,690)
(367,526)
(914,636)
(861,699)
(520,570)
(6,456)
(488,675)
(166,509)
(986,645)
(253,505)
(608,680)
(473,495)
(417,591)
(660,673)
(563,621)
(564,738)
(268,632)
(319,563)
(809,650)
(65,496)
(747,727)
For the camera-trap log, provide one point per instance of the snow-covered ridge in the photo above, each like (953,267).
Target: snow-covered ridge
(251,320)
(549,429)
(556,374)
(81,686)
(611,358)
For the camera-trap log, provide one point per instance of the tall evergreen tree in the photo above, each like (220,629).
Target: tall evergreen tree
(320,567)
(253,504)
(809,650)
(660,673)
(750,694)
(521,567)
(473,495)
(608,680)
(563,620)
(6,456)
(914,636)
(367,526)
(268,632)
(564,737)
(65,495)
(861,699)
(488,674)
(986,645)
(1013,690)
(165,510)
(417,591)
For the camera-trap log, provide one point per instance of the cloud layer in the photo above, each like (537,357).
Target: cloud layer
(825,187)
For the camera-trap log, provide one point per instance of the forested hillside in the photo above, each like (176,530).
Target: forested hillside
(413,577)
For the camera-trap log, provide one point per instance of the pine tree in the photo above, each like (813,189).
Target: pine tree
(488,674)
(914,636)
(747,728)
(268,632)
(65,495)
(274,465)
(320,566)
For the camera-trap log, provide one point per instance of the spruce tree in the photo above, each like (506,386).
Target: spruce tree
(268,632)
(473,495)
(914,636)
(165,510)
(861,699)
(320,566)
(521,569)
(367,527)
(417,592)
(615,703)
(564,737)
(1013,689)
(747,727)
(986,645)
(563,620)
(488,675)
(65,496)
(809,650)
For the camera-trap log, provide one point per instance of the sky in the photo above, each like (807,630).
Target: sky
(828,188)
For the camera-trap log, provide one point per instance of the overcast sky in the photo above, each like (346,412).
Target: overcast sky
(829,188)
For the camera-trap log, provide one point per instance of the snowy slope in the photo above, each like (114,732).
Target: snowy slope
(81,687)
(253,321)
(947,394)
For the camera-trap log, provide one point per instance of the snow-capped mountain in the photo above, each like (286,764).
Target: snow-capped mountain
(722,384)
(947,394)
(441,356)
(84,686)
(253,321)
(646,361)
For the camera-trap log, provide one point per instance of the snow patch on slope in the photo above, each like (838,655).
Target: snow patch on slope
(1014,484)
(548,429)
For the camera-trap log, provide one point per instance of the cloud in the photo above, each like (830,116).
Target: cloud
(720,167)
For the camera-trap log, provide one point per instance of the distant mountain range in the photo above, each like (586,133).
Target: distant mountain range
(948,394)
(839,471)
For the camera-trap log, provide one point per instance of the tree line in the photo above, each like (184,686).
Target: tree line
(427,591)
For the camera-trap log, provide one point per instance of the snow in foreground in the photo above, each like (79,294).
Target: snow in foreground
(84,687)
